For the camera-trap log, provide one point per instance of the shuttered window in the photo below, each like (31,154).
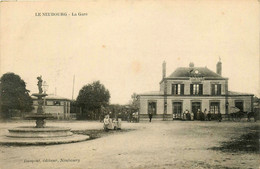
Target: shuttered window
(177,89)
(196,89)
(216,89)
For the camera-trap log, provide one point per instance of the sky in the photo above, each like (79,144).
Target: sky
(124,43)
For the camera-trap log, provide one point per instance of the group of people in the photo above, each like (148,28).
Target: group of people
(202,116)
(111,124)
(133,117)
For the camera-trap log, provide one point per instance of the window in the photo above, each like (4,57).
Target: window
(196,89)
(56,103)
(177,89)
(214,107)
(216,89)
(49,103)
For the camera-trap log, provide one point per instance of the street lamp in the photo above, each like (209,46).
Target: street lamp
(45,88)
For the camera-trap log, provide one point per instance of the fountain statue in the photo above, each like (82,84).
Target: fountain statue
(39,84)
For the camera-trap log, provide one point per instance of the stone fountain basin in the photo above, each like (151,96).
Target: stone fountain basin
(42,141)
(41,136)
(40,94)
(39,116)
(33,132)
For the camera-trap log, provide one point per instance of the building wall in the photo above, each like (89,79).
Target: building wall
(144,104)
(61,111)
(247,102)
(187,103)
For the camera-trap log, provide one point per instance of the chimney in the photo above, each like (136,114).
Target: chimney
(219,67)
(164,69)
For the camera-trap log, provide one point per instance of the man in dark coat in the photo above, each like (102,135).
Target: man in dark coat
(150,114)
(209,116)
(219,117)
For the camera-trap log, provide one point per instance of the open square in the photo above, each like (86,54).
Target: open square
(114,84)
(160,144)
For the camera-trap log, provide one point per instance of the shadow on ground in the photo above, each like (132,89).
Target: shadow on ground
(98,133)
(248,143)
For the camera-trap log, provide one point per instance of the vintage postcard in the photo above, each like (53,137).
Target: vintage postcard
(129,84)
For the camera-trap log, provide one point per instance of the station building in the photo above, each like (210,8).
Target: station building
(192,88)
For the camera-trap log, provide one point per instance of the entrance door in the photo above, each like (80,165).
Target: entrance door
(239,104)
(177,109)
(194,108)
(152,108)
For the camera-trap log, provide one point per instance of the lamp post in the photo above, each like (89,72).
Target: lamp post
(227,113)
(45,88)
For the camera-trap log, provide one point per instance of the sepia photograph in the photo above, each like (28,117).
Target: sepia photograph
(129,84)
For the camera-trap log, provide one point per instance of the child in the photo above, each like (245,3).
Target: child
(106,122)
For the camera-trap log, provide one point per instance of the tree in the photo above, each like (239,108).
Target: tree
(91,98)
(134,103)
(14,95)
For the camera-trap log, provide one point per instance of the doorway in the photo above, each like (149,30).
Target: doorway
(152,108)
(194,108)
(177,110)
(239,104)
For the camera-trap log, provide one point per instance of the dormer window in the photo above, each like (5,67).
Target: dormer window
(177,89)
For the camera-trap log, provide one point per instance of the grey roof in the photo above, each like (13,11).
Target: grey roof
(190,71)
(52,97)
(238,93)
(152,93)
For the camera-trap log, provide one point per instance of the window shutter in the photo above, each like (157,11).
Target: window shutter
(182,89)
(219,89)
(191,89)
(212,89)
(173,91)
(200,89)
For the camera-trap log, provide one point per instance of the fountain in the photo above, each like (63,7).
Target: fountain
(40,116)
(40,134)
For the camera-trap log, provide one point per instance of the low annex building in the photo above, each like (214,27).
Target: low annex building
(192,88)
(58,106)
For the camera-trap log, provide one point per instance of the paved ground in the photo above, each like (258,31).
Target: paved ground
(156,145)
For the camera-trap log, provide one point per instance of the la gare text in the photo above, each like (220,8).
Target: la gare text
(61,14)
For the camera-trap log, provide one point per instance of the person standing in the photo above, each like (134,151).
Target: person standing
(185,115)
(106,122)
(192,116)
(197,115)
(205,114)
(209,116)
(219,117)
(150,114)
